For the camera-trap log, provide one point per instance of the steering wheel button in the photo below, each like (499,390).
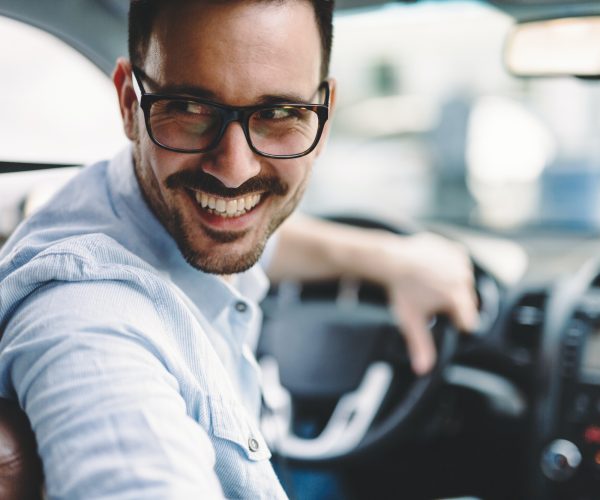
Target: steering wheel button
(241,307)
(253,445)
(560,460)
(592,434)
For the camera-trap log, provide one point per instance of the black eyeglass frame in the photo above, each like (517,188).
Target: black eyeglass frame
(229,114)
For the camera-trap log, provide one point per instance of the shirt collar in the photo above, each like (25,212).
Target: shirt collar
(146,237)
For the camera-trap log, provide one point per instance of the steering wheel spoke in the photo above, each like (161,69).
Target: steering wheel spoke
(351,419)
(337,343)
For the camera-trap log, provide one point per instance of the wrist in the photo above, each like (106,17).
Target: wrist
(371,255)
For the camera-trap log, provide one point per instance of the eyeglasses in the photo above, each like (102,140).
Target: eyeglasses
(193,125)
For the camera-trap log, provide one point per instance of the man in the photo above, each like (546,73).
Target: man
(129,302)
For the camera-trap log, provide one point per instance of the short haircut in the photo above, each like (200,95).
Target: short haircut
(142,14)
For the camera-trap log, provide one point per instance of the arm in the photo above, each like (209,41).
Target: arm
(424,274)
(107,414)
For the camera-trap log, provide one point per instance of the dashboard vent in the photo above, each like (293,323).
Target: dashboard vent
(571,346)
(525,327)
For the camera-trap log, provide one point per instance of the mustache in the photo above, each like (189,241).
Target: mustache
(201,181)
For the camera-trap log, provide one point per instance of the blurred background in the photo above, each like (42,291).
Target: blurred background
(429,125)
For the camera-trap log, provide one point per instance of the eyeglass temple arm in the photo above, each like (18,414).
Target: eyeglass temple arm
(325,86)
(138,87)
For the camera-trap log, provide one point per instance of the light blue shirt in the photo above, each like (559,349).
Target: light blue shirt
(135,369)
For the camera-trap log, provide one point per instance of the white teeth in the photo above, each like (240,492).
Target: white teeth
(202,199)
(231,207)
(227,207)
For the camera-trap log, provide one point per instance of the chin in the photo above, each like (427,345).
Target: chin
(224,264)
(224,258)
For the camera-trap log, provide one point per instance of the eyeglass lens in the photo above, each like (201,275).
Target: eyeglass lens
(189,125)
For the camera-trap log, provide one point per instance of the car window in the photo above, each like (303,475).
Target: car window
(57,107)
(430,125)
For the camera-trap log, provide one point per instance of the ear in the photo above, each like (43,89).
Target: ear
(128,103)
(332,101)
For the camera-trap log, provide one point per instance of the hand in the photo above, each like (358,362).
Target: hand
(426,275)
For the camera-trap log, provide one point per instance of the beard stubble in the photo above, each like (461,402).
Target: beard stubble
(183,233)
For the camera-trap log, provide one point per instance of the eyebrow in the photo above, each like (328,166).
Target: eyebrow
(202,93)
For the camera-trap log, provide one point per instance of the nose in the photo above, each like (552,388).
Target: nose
(232,162)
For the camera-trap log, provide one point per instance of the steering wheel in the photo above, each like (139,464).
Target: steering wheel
(337,344)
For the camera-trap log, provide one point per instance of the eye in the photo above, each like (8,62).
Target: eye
(274,114)
(189,107)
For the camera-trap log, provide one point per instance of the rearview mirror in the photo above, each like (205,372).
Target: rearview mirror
(555,47)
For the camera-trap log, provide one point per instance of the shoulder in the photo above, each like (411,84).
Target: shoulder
(84,257)
(79,304)
(90,275)
(77,299)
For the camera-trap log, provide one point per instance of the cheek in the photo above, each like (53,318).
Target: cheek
(154,160)
(159,162)
(301,173)
(161,166)
(295,173)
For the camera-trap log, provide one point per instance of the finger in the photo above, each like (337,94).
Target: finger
(463,310)
(419,341)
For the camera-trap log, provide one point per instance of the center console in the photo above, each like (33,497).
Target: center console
(570,457)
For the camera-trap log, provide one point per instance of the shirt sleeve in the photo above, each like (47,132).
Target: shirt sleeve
(108,415)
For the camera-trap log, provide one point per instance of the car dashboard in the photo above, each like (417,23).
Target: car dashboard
(517,411)
(544,345)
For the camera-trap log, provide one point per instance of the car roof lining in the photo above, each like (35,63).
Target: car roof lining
(92,27)
(98,28)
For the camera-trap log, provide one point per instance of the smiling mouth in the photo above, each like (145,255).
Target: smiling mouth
(227,207)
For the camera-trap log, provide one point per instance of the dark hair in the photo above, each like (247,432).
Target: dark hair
(142,14)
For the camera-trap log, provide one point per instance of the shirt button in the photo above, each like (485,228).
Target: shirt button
(241,306)
(253,444)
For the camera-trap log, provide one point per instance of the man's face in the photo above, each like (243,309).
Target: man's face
(239,54)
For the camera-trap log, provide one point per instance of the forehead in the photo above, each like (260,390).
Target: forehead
(237,49)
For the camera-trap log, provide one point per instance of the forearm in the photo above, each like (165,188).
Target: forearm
(314,249)
(108,417)
(423,274)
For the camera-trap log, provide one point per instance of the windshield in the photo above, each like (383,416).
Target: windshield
(430,126)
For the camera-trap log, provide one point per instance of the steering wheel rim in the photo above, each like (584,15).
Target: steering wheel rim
(355,426)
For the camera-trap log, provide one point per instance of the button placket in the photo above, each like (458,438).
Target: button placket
(241,306)
(242,317)
(253,444)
